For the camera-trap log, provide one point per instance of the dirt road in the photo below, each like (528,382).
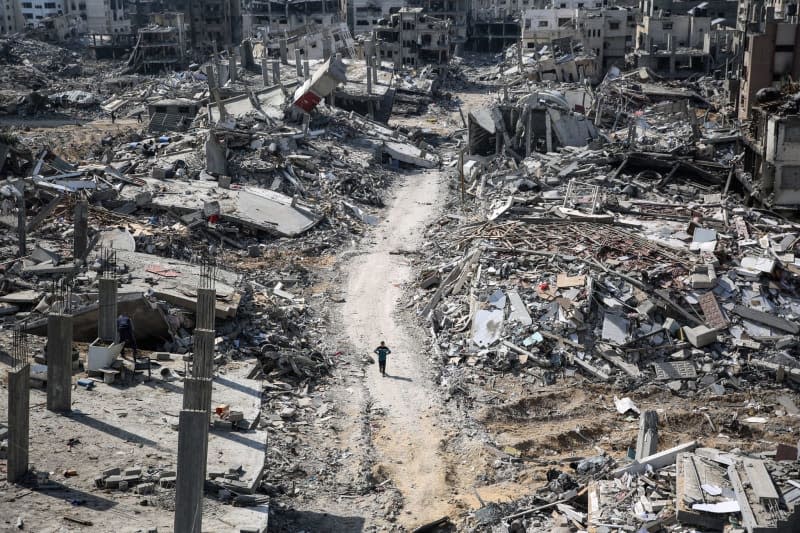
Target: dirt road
(408,437)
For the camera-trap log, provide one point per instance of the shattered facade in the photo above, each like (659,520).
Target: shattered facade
(769,58)
(161,46)
(411,38)
(280,17)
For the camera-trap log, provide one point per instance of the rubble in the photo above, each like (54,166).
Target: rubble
(611,289)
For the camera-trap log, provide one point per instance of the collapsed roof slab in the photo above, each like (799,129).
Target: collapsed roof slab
(254,207)
(149,322)
(177,281)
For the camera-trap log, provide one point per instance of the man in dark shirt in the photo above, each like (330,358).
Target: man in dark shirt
(382,352)
(126,337)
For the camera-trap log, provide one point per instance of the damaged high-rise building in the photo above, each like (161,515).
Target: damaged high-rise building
(209,24)
(680,39)
(11,19)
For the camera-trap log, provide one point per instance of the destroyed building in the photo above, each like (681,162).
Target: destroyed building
(772,155)
(161,46)
(411,38)
(769,57)
(494,32)
(679,39)
(364,15)
(588,271)
(209,23)
(279,17)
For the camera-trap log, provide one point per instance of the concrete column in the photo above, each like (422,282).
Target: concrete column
(529,132)
(306,69)
(284,51)
(219,80)
(197,394)
(246,55)
(276,72)
(548,132)
(192,456)
(232,69)
(22,221)
(206,307)
(647,441)
(264,72)
(18,422)
(212,76)
(59,362)
(107,311)
(332,51)
(204,334)
(81,229)
(298,65)
(203,353)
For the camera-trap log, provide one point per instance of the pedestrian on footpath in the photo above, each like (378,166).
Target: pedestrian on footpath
(113,117)
(382,352)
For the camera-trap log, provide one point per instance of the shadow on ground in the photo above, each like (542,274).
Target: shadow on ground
(292,521)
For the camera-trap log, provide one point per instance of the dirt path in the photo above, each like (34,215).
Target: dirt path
(408,437)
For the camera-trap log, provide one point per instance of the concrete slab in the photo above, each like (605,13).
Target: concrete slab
(407,153)
(254,207)
(127,427)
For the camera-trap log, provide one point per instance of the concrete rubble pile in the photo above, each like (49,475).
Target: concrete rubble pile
(683,489)
(623,260)
(625,257)
(239,178)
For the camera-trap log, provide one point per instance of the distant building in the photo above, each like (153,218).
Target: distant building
(106,16)
(363,16)
(209,23)
(279,16)
(411,38)
(11,19)
(34,11)
(681,39)
(772,159)
(606,34)
(770,56)
(162,45)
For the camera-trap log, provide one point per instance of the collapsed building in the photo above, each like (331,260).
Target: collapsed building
(611,289)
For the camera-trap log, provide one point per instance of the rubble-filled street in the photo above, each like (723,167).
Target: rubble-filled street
(425,267)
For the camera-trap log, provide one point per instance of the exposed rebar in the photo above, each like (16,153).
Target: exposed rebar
(208,273)
(62,296)
(19,352)
(108,263)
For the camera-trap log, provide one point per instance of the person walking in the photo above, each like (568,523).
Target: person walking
(126,336)
(113,117)
(382,352)
(139,117)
